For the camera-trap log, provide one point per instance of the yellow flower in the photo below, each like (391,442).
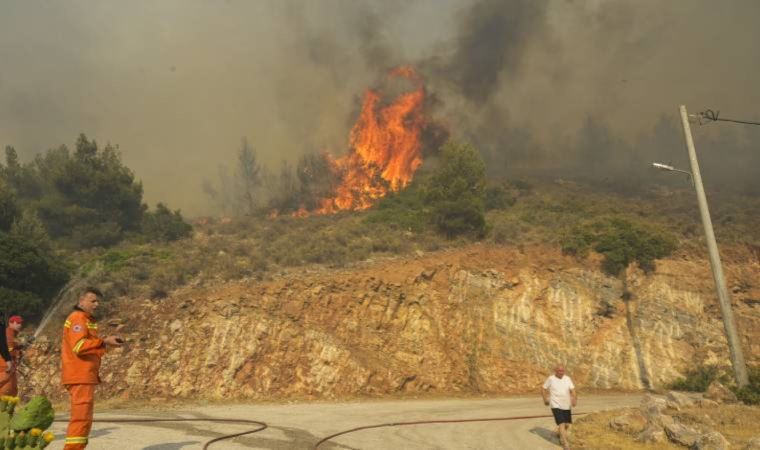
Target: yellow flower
(48,436)
(35,432)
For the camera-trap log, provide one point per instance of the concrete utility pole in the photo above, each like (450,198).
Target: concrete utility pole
(734,343)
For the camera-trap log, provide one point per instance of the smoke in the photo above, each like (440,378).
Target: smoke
(489,44)
(177,83)
(592,88)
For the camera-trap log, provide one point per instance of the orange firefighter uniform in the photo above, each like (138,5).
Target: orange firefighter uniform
(81,351)
(9,380)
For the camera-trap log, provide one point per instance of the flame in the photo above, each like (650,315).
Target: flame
(384,148)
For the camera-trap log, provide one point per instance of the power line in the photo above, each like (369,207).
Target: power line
(714,116)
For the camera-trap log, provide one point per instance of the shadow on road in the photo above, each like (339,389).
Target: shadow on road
(546,434)
(102,432)
(170,445)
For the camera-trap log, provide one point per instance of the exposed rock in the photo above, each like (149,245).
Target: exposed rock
(721,394)
(711,441)
(490,320)
(428,274)
(753,444)
(677,400)
(631,422)
(681,434)
(707,403)
(175,326)
(653,434)
(652,409)
(651,402)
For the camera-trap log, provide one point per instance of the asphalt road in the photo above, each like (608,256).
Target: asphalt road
(302,425)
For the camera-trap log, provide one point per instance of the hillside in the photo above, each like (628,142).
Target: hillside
(478,318)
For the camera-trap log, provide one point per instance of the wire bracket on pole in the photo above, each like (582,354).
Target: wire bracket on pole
(708,116)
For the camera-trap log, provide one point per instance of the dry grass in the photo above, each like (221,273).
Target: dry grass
(592,432)
(257,247)
(737,423)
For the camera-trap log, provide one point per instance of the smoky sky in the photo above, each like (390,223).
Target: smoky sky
(177,83)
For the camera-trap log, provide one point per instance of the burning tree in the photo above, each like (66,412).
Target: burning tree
(384,148)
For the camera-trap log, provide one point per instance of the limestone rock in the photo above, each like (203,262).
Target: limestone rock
(711,441)
(681,434)
(652,403)
(175,326)
(490,319)
(631,422)
(428,274)
(653,434)
(707,403)
(753,444)
(677,400)
(719,393)
(652,409)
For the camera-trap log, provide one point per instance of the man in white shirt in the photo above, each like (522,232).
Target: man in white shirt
(559,394)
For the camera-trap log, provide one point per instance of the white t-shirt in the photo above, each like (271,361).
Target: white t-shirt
(559,391)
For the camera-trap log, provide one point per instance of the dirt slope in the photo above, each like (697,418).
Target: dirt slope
(475,319)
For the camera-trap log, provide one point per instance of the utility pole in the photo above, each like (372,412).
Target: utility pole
(734,343)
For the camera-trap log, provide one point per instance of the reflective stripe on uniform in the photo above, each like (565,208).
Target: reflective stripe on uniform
(67,324)
(92,326)
(78,345)
(76,439)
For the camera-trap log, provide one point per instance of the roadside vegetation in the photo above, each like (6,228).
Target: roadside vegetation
(65,204)
(699,379)
(79,213)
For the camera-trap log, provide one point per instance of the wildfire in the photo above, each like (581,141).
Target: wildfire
(384,148)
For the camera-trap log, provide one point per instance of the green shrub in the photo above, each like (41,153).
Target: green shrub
(498,197)
(578,242)
(29,276)
(405,209)
(87,235)
(522,185)
(8,207)
(461,216)
(621,242)
(750,394)
(30,228)
(165,225)
(456,191)
(697,380)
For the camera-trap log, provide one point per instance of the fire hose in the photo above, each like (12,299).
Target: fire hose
(260,425)
(428,422)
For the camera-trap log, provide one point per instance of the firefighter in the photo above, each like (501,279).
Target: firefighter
(9,378)
(6,364)
(81,352)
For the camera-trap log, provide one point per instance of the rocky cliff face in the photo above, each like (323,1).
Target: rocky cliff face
(477,319)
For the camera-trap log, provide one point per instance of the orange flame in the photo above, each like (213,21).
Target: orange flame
(385,148)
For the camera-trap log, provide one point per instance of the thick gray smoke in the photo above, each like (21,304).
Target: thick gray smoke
(491,39)
(535,84)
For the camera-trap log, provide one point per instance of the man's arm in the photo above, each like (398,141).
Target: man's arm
(6,355)
(79,339)
(573,397)
(545,395)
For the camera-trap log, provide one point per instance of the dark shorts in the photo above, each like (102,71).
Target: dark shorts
(562,416)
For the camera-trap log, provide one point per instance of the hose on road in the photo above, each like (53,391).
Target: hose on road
(260,425)
(428,422)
